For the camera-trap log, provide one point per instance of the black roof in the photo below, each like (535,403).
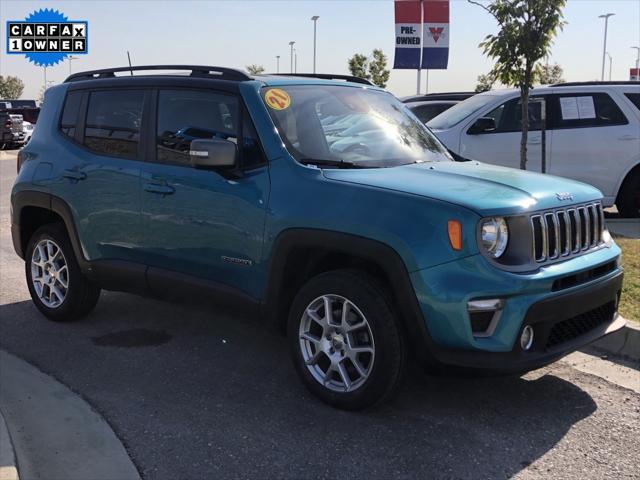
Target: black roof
(438,96)
(221,73)
(325,76)
(201,71)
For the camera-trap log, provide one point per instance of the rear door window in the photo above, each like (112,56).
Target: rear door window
(580,110)
(187,115)
(114,119)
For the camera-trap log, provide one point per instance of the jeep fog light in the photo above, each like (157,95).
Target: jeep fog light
(495,236)
(526,338)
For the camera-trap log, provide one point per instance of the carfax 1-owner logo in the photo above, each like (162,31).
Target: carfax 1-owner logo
(47,37)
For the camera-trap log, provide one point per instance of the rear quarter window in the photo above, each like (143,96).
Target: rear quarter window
(70,114)
(635,99)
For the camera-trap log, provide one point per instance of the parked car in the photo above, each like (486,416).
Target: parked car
(459,96)
(365,257)
(29,114)
(592,130)
(27,128)
(12,133)
(20,103)
(426,111)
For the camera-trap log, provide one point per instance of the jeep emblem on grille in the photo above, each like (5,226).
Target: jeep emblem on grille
(564,196)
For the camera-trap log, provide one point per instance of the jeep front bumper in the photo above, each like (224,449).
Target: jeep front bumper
(564,317)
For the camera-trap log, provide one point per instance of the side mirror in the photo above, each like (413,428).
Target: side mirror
(212,152)
(482,125)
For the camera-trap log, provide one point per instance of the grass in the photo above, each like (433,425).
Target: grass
(630,301)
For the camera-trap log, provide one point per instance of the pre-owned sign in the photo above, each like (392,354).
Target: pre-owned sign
(422,34)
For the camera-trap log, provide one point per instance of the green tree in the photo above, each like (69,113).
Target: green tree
(255,69)
(11,87)
(358,66)
(549,74)
(485,83)
(378,68)
(526,30)
(372,68)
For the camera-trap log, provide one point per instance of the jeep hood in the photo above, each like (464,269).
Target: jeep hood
(483,188)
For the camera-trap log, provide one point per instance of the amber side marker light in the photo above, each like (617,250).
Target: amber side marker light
(455,234)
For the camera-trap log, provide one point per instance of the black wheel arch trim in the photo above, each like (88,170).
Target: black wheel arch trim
(382,255)
(32,198)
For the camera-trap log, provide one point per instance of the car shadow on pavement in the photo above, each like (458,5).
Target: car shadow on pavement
(217,396)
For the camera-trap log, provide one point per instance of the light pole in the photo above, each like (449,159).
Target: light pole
(315,24)
(295,60)
(610,64)
(604,49)
(277,63)
(291,44)
(637,57)
(71,57)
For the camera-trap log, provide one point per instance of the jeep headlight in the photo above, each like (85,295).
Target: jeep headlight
(494,235)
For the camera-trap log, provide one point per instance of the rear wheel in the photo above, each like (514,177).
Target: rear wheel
(55,282)
(628,201)
(345,341)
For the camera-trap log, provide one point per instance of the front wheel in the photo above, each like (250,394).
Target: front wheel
(345,340)
(54,278)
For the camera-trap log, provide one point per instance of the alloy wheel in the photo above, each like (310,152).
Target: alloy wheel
(336,343)
(49,273)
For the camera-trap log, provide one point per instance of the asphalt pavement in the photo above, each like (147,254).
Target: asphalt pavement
(194,392)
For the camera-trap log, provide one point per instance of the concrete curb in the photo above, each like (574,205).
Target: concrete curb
(623,343)
(56,434)
(8,468)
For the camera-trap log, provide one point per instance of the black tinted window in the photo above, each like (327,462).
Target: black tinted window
(508,116)
(70,113)
(186,115)
(574,110)
(635,99)
(252,155)
(113,122)
(427,112)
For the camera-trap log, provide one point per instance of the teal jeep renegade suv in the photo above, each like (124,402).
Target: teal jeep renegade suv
(323,201)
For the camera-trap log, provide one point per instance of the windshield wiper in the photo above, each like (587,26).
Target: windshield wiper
(325,162)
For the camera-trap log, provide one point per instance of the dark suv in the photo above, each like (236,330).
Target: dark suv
(324,202)
(11,130)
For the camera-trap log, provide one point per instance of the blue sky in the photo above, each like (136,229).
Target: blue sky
(237,33)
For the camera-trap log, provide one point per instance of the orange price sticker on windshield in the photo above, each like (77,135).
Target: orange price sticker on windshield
(277,99)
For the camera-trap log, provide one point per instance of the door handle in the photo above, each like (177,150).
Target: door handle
(534,141)
(74,175)
(160,189)
(628,137)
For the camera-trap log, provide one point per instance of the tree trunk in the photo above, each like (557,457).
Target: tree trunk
(524,98)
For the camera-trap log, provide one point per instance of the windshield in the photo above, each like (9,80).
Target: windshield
(459,112)
(350,127)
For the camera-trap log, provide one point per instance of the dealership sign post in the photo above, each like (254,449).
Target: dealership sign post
(422,35)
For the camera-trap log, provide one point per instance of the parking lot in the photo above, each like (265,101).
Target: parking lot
(194,392)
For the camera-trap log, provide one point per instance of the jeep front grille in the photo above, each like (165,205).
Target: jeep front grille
(567,232)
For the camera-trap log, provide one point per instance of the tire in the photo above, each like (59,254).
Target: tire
(628,201)
(51,259)
(371,335)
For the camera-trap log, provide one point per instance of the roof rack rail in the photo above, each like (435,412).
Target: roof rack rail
(578,84)
(326,76)
(221,73)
